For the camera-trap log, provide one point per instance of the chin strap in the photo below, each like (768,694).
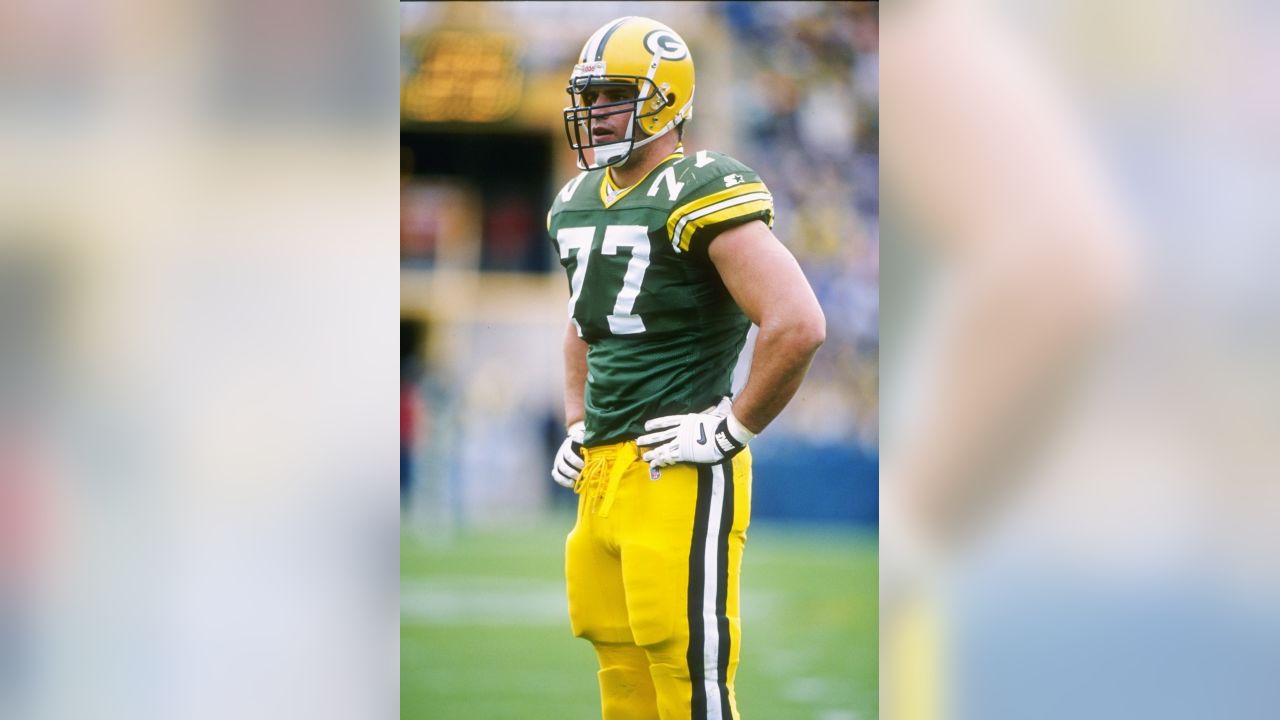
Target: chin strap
(659,134)
(606,154)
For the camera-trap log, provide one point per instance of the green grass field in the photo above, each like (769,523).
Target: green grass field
(484,635)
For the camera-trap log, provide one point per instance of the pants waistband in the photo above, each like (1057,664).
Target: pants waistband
(605,466)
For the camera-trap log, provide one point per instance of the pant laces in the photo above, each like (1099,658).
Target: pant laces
(603,471)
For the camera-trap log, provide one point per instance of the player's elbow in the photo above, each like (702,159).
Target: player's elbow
(815,329)
(807,329)
(1085,286)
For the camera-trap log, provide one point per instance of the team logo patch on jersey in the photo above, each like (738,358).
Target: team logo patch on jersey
(733,179)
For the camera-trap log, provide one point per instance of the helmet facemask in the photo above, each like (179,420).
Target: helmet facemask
(653,63)
(583,90)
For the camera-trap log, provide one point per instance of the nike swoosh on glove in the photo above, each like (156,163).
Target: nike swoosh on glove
(568,464)
(702,438)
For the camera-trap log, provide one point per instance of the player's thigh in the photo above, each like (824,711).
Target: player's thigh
(593,584)
(660,526)
(687,546)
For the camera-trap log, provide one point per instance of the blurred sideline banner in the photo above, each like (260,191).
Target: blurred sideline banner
(815,483)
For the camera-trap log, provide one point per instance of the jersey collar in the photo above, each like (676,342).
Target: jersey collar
(610,193)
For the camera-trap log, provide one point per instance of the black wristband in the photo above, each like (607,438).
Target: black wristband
(725,441)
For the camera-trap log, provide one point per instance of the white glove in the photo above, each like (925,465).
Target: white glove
(705,438)
(569,462)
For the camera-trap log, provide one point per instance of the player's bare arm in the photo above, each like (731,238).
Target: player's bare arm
(767,283)
(569,462)
(575,375)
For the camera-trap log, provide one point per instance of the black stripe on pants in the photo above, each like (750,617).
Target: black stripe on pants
(697,589)
(697,576)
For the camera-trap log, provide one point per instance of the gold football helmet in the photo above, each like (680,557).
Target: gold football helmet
(638,53)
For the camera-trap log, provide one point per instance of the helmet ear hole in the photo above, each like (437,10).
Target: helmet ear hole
(671,99)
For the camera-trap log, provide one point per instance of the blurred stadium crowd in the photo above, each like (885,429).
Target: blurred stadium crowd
(791,89)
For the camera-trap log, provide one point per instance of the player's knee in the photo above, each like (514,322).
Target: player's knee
(627,695)
(626,687)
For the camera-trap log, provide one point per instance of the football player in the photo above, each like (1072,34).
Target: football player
(670,258)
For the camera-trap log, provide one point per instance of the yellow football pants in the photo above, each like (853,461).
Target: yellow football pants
(652,569)
(912,653)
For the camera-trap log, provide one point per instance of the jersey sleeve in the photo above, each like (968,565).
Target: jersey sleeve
(723,195)
(562,198)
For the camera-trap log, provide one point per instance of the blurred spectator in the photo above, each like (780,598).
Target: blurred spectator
(415,414)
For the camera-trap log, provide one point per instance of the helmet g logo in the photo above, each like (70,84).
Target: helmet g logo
(666,45)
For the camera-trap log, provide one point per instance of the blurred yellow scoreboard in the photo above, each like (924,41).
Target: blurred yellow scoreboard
(463,76)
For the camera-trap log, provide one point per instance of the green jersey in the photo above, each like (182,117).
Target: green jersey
(663,333)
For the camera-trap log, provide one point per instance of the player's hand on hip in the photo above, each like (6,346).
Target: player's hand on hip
(569,462)
(704,438)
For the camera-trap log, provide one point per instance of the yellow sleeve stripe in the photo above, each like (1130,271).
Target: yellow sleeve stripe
(712,199)
(720,212)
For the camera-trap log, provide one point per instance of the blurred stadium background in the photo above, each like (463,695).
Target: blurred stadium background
(196,304)
(791,89)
